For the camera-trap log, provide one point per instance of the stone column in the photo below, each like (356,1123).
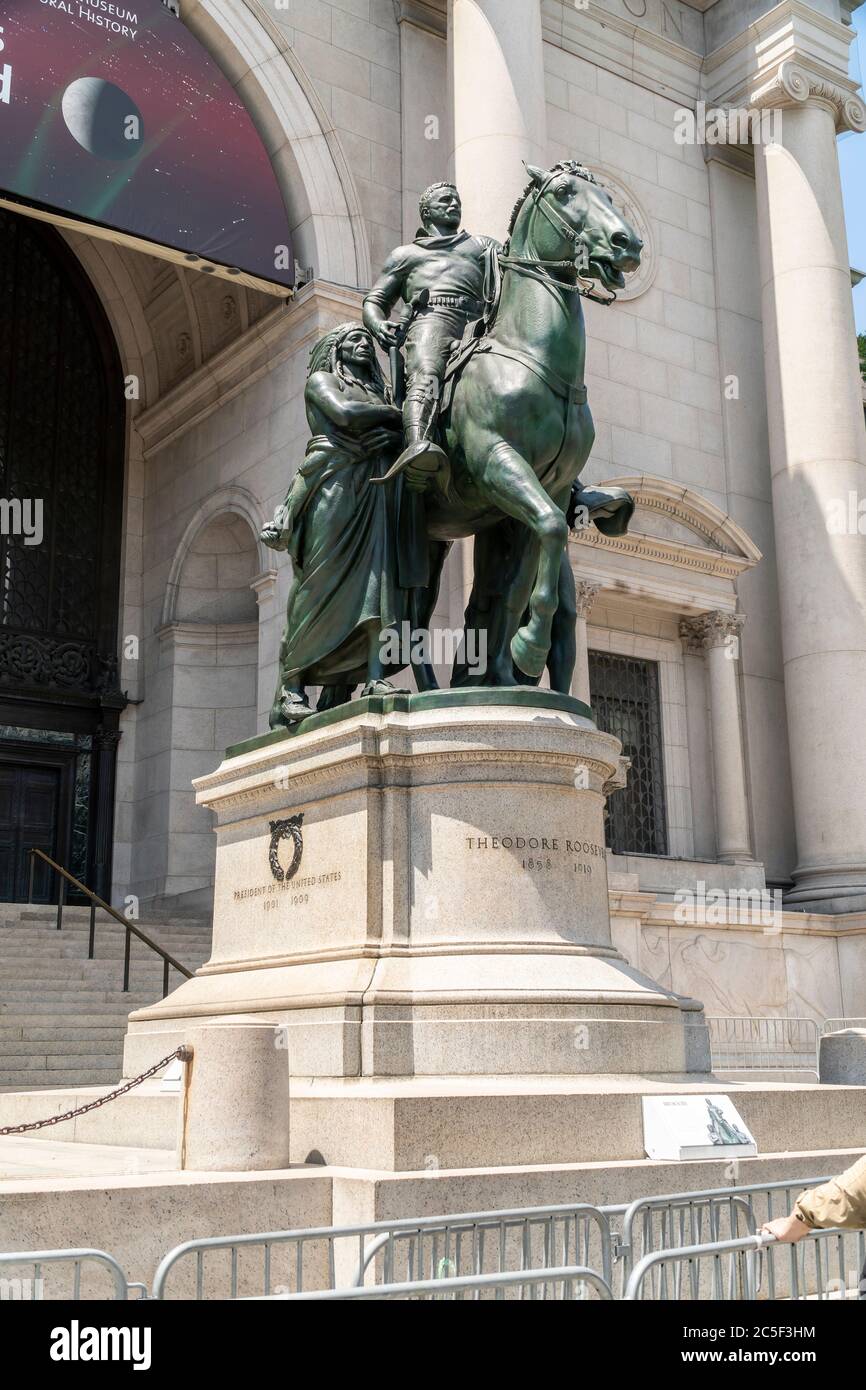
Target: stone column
(266,590)
(496,70)
(818,464)
(717,635)
(585,595)
(104,776)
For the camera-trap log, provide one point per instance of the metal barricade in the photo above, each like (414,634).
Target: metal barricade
(409,1250)
(744,1043)
(823,1265)
(530,1237)
(693,1218)
(571,1282)
(32,1288)
(837,1025)
(612,1240)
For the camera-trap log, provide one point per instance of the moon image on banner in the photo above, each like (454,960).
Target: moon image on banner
(102,118)
(116,118)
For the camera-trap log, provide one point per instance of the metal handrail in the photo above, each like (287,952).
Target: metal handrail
(95,902)
(567,1275)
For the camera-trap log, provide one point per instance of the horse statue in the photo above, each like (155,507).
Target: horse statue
(369,536)
(517,429)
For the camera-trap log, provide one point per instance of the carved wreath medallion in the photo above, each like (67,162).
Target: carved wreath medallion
(289,829)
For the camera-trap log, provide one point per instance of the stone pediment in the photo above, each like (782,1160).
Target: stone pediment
(680,547)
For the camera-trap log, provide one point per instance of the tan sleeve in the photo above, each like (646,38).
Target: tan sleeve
(840,1202)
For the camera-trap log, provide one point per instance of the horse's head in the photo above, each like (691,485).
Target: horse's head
(564,215)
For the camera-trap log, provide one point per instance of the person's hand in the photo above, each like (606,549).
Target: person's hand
(379,439)
(274,534)
(786,1229)
(388,335)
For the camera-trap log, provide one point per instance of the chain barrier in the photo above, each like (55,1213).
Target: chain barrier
(181,1054)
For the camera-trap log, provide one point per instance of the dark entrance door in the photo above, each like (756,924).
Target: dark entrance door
(29,819)
(62,431)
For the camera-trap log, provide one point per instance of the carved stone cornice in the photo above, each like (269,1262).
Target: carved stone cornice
(715,563)
(284,331)
(431,15)
(190,633)
(709,630)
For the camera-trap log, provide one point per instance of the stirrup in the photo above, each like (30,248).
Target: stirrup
(424,456)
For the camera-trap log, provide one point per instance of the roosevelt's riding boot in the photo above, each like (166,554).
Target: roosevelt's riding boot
(421,457)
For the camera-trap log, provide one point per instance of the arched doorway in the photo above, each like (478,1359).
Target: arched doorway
(61,488)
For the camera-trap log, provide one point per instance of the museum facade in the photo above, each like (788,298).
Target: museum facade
(159,413)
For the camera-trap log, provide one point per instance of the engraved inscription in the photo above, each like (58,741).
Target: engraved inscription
(294,892)
(541,853)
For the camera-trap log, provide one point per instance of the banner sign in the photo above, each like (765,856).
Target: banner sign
(114,118)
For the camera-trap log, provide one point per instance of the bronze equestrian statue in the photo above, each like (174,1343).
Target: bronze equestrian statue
(514,426)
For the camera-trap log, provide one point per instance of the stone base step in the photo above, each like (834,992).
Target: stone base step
(29,1034)
(42,1081)
(480,1122)
(22,1051)
(63,1017)
(94,1013)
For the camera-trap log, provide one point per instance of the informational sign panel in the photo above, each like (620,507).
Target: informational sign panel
(114,118)
(690,1126)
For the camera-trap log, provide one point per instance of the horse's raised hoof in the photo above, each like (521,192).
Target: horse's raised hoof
(530,657)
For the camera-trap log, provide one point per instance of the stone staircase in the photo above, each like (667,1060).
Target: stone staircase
(62,1016)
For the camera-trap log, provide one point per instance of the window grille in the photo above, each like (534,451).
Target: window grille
(624,693)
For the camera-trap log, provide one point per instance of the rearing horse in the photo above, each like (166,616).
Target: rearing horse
(518,428)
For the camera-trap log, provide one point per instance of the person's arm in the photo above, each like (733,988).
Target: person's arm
(382,298)
(354,416)
(840,1202)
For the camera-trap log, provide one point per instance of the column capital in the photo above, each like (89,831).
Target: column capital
(796,83)
(790,55)
(585,596)
(710,630)
(264,586)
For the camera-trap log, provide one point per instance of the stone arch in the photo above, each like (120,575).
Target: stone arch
(227,501)
(215,584)
(682,505)
(209,663)
(308,160)
(108,272)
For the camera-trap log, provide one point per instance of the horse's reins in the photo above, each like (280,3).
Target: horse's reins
(526,264)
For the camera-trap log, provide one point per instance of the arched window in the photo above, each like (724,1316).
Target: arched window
(61,482)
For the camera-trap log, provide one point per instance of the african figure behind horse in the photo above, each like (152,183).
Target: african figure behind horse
(518,429)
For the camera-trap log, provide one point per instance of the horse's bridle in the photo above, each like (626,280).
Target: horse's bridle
(527,264)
